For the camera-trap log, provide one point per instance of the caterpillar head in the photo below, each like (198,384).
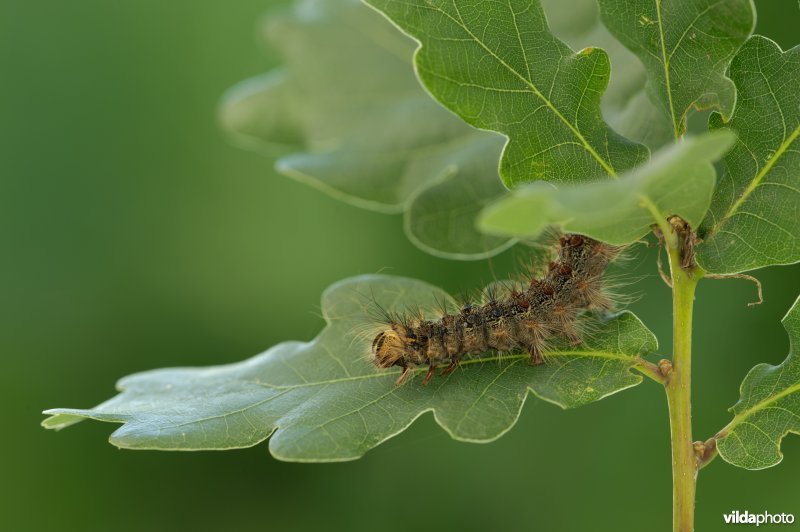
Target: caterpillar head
(389,348)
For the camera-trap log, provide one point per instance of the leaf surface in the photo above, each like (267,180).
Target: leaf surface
(626,106)
(686,46)
(678,180)
(324,401)
(346,114)
(498,66)
(769,407)
(755,213)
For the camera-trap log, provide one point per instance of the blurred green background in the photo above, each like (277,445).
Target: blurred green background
(134,236)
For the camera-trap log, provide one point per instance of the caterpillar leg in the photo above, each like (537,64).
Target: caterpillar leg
(428,375)
(572,334)
(536,355)
(451,368)
(402,377)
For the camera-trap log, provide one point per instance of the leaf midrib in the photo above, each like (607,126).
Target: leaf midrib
(665,62)
(761,405)
(285,389)
(754,184)
(534,89)
(379,375)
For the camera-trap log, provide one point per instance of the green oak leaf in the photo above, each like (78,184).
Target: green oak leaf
(299,113)
(768,409)
(324,401)
(686,46)
(626,106)
(498,66)
(678,180)
(755,213)
(350,118)
(276,125)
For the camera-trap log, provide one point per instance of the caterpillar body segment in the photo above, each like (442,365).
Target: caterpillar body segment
(528,317)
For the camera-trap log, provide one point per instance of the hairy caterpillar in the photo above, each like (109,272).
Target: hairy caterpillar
(526,318)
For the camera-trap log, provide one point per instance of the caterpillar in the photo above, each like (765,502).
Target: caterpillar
(528,317)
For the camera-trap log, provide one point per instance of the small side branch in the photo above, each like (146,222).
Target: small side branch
(741,276)
(664,277)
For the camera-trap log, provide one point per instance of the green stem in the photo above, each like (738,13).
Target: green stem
(678,388)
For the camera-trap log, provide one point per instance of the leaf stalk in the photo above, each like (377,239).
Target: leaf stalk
(648,369)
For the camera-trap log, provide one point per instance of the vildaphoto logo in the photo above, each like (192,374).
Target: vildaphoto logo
(746,518)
